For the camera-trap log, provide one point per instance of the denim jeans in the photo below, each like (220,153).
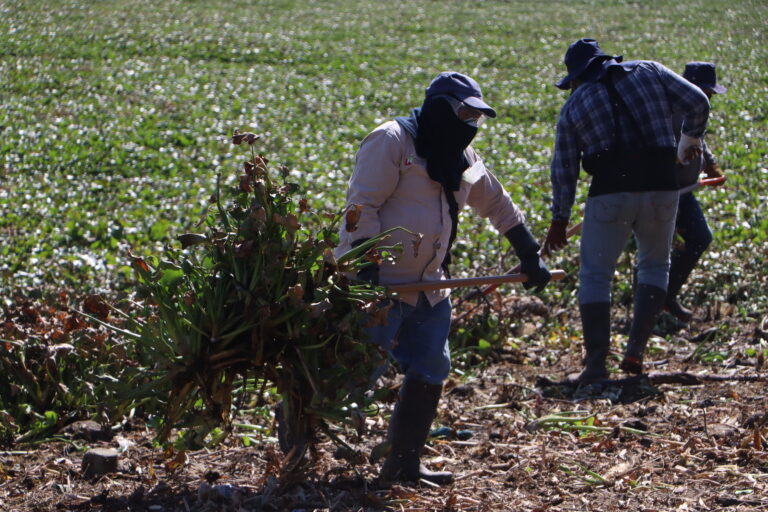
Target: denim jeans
(608,221)
(417,337)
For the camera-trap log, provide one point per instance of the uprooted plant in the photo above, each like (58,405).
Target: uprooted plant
(255,300)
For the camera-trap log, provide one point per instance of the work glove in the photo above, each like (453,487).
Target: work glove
(556,237)
(713,171)
(688,148)
(527,249)
(369,273)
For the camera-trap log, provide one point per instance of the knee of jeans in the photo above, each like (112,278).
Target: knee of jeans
(655,275)
(587,295)
(595,278)
(435,372)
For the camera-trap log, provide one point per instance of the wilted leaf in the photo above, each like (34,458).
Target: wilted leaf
(379,451)
(190,239)
(416,243)
(329,258)
(374,256)
(74,322)
(358,421)
(291,223)
(96,306)
(296,294)
(377,313)
(138,263)
(352,217)
(57,335)
(261,162)
(352,456)
(238,138)
(178,460)
(259,214)
(245,183)
(244,249)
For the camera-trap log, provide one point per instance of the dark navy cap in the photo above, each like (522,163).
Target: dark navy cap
(703,74)
(462,88)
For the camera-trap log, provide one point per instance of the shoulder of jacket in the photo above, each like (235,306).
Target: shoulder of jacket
(389,129)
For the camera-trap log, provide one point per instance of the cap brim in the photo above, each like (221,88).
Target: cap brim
(718,89)
(480,105)
(564,83)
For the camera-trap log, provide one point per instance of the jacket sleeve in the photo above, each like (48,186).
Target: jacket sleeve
(377,171)
(489,200)
(564,170)
(686,99)
(709,158)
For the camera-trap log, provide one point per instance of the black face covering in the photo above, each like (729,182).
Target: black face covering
(441,139)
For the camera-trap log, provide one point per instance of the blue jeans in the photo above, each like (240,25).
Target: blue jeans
(417,337)
(608,221)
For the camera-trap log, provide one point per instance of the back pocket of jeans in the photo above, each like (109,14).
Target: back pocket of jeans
(665,210)
(605,212)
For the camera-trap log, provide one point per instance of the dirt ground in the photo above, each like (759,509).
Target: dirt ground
(660,447)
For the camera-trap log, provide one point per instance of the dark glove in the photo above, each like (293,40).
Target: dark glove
(556,237)
(369,273)
(527,249)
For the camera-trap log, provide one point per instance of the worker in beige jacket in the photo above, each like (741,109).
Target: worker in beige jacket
(418,172)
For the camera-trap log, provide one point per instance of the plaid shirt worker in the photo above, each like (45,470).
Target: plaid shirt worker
(586,122)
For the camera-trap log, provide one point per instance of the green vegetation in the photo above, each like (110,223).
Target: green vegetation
(116,118)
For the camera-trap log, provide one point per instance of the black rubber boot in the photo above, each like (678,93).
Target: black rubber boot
(649,301)
(407,434)
(291,437)
(682,264)
(596,325)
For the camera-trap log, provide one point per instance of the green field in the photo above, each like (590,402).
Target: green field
(116,118)
(115,115)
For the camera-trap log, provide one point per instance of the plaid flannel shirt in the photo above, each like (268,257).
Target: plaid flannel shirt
(652,93)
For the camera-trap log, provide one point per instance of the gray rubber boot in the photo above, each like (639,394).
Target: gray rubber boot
(407,434)
(649,300)
(596,326)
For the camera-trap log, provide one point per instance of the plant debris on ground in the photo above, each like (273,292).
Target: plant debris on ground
(689,447)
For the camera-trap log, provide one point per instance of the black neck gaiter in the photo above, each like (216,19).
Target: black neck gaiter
(441,139)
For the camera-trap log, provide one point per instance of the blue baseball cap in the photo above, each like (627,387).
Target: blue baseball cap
(703,75)
(578,58)
(462,88)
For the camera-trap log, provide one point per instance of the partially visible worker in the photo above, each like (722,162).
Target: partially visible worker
(691,224)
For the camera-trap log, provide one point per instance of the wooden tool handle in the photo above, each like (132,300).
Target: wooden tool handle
(424,286)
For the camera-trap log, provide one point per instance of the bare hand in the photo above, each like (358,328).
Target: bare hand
(556,237)
(714,171)
(692,152)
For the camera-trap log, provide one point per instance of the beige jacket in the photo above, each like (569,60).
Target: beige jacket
(391,184)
